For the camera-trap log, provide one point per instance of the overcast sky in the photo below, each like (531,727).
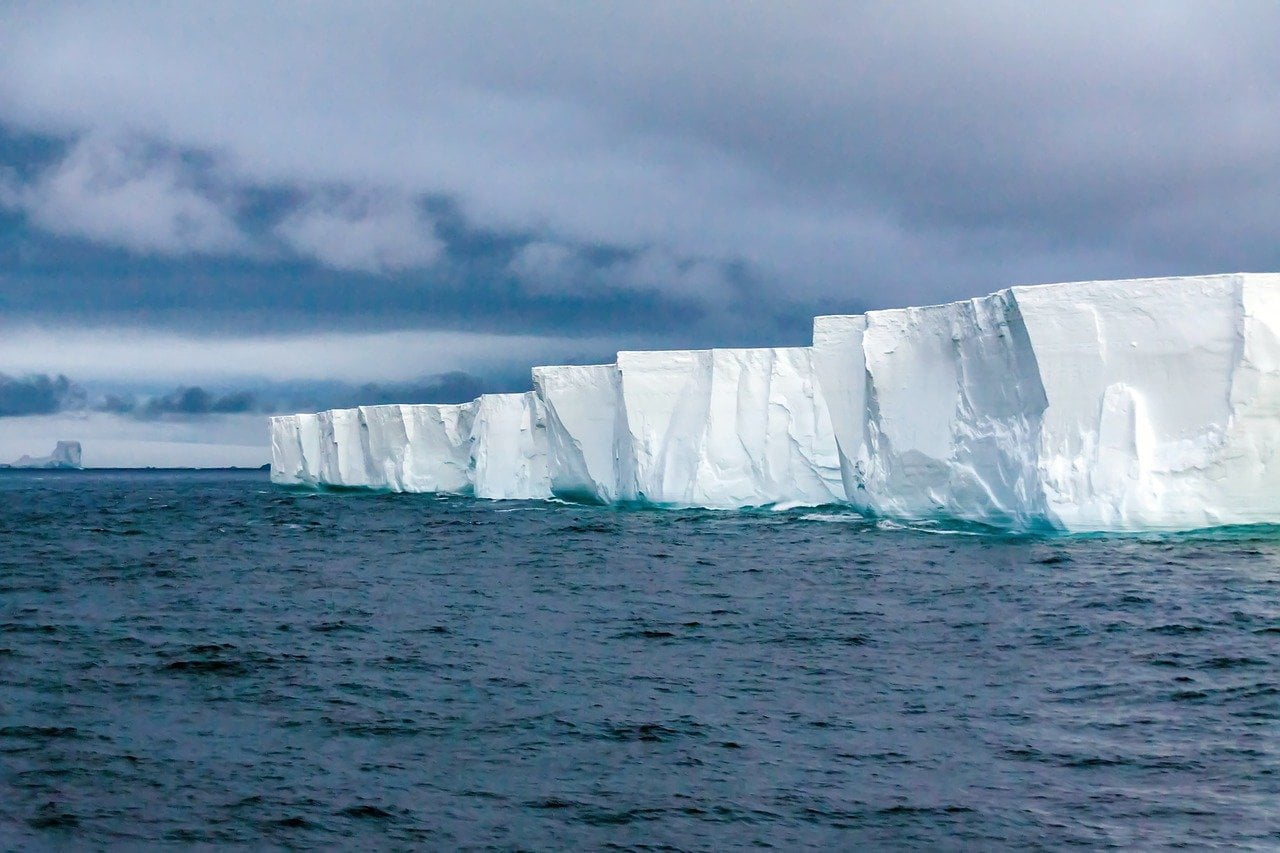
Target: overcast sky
(277,196)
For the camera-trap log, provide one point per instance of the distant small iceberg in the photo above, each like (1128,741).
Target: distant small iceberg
(66,455)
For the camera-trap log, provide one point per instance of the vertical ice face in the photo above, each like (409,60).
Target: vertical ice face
(585,426)
(385,443)
(343,454)
(295,449)
(727,428)
(309,446)
(1112,405)
(841,370)
(287,465)
(437,457)
(1161,400)
(509,448)
(953,412)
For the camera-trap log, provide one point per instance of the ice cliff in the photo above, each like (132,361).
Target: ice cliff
(1145,404)
(726,428)
(1114,405)
(708,428)
(586,431)
(509,448)
(425,448)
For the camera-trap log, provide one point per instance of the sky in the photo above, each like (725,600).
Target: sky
(209,212)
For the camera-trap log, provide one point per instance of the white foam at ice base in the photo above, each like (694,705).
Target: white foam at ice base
(1091,406)
(509,448)
(585,433)
(726,428)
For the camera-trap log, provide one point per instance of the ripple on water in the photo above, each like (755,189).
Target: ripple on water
(203,660)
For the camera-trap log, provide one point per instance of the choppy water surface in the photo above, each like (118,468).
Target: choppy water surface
(202,658)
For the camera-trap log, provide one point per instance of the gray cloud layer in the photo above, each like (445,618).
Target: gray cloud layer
(542,167)
(41,394)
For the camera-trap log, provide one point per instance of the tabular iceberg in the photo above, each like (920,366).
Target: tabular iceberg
(726,428)
(65,455)
(1093,406)
(1128,405)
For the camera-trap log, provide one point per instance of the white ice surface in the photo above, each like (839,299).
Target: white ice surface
(1163,396)
(509,448)
(288,467)
(840,369)
(438,455)
(585,430)
(726,428)
(1091,406)
(403,448)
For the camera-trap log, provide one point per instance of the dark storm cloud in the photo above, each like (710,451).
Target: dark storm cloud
(654,167)
(47,395)
(38,395)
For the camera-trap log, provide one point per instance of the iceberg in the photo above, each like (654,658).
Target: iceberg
(65,455)
(726,428)
(1150,404)
(1090,406)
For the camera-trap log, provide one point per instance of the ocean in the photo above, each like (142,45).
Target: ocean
(202,659)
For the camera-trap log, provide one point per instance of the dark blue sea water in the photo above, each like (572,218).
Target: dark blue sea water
(200,658)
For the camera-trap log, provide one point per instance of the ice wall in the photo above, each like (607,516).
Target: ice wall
(726,428)
(403,448)
(1117,405)
(953,408)
(437,456)
(1162,400)
(586,430)
(509,448)
(418,448)
(342,460)
(840,370)
(288,468)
